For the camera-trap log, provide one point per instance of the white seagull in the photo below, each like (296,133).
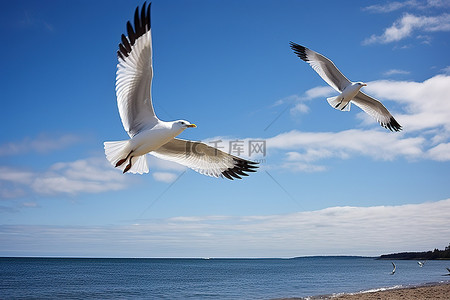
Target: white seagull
(349,91)
(148,134)
(421,263)
(393,271)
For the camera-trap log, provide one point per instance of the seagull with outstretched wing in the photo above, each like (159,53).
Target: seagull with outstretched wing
(349,91)
(395,268)
(148,134)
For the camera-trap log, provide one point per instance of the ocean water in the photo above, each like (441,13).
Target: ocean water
(140,278)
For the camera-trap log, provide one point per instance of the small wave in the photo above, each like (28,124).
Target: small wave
(371,290)
(382,289)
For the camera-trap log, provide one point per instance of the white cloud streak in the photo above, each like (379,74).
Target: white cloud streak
(409,24)
(331,231)
(41,144)
(300,102)
(446,70)
(389,7)
(92,175)
(167,177)
(81,176)
(345,144)
(396,72)
(440,153)
(396,5)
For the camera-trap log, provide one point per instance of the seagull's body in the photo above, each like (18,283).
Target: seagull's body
(393,271)
(349,91)
(148,134)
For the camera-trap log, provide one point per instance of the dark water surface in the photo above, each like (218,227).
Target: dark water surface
(140,278)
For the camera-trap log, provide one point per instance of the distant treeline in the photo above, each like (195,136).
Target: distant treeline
(428,255)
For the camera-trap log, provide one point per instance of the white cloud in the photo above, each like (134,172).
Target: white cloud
(12,182)
(298,103)
(288,99)
(446,70)
(41,144)
(390,6)
(319,91)
(300,108)
(16,176)
(427,104)
(299,166)
(30,204)
(395,5)
(440,153)
(311,155)
(408,24)
(332,231)
(164,176)
(374,143)
(8,192)
(92,175)
(395,72)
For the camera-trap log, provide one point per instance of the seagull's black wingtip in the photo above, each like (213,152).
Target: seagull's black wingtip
(393,125)
(141,26)
(299,50)
(240,167)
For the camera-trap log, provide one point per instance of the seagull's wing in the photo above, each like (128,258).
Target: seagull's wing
(377,110)
(323,66)
(448,269)
(205,159)
(134,75)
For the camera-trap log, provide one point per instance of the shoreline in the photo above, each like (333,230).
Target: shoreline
(435,290)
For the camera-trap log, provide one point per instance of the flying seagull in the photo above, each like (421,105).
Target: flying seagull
(148,134)
(349,91)
(421,263)
(393,271)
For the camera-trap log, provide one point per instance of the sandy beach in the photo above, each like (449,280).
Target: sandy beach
(434,291)
(429,291)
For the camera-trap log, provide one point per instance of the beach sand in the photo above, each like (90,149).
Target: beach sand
(435,291)
(430,291)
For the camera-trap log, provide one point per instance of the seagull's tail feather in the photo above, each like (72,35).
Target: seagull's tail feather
(139,165)
(116,151)
(119,150)
(336,103)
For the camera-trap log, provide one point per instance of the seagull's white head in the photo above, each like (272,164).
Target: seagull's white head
(182,124)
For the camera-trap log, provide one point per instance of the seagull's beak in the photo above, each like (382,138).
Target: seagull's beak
(364,84)
(191,126)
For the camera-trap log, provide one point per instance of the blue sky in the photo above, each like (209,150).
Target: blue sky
(329,183)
